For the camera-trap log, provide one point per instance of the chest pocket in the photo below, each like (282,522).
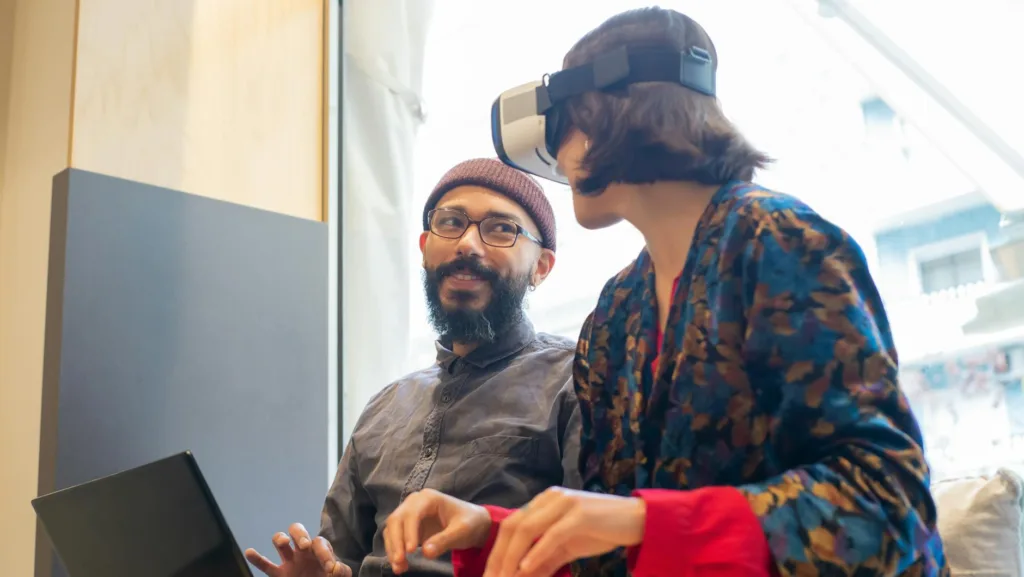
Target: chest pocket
(507,446)
(503,470)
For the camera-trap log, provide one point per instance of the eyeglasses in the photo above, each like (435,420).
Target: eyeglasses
(495,231)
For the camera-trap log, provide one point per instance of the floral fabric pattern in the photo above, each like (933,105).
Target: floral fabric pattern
(777,376)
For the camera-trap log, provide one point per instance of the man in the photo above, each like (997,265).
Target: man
(495,420)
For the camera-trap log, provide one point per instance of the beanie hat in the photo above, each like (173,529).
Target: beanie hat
(496,175)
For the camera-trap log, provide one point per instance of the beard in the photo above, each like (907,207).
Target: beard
(462,324)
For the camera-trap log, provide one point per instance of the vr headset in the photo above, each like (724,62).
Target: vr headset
(529,122)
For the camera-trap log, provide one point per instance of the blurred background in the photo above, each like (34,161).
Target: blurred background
(227,258)
(859,102)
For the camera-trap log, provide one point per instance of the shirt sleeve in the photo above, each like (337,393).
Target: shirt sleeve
(854,496)
(473,562)
(348,517)
(570,441)
(710,531)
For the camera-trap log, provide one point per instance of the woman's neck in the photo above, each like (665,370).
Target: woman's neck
(666,214)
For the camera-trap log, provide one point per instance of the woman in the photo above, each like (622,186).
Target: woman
(738,381)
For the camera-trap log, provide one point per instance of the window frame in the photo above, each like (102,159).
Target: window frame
(947,248)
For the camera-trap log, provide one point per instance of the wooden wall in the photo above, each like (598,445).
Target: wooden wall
(223,99)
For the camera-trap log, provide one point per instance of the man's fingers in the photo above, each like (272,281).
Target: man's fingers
(262,563)
(324,555)
(340,570)
(283,544)
(300,536)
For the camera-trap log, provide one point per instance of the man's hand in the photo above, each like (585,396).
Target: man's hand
(437,521)
(308,557)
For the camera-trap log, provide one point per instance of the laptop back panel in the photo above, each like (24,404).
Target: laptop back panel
(158,520)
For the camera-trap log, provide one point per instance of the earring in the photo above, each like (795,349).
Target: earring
(586,144)
(533,287)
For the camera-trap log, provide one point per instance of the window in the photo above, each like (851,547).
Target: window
(860,158)
(879,118)
(951,271)
(883,127)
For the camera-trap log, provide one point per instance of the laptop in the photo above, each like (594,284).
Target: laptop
(158,520)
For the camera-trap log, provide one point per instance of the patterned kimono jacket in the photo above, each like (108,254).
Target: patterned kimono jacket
(777,379)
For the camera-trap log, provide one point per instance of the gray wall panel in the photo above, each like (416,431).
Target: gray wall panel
(179,322)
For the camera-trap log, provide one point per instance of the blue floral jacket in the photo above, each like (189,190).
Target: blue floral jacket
(777,376)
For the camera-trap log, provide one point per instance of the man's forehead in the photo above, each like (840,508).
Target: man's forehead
(478,202)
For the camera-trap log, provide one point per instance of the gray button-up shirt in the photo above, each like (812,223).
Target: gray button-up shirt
(494,428)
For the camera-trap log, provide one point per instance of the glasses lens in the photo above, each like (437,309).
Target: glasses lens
(499,232)
(448,223)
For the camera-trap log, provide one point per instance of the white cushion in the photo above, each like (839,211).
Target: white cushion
(981,521)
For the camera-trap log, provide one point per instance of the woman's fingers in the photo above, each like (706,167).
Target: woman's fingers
(521,530)
(419,508)
(549,553)
(443,542)
(402,529)
(393,542)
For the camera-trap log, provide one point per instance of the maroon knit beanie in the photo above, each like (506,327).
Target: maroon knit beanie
(496,175)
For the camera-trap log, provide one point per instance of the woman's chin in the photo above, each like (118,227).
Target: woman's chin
(597,221)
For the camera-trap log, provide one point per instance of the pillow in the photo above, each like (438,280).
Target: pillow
(981,521)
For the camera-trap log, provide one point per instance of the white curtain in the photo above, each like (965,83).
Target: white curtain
(383,43)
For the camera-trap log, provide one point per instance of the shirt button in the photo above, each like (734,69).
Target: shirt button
(446,398)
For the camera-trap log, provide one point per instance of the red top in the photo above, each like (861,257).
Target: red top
(710,532)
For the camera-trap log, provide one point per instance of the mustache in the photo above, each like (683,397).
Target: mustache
(469,265)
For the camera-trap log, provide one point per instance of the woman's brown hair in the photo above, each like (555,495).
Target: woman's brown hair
(655,131)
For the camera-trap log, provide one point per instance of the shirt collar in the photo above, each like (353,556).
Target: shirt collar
(506,345)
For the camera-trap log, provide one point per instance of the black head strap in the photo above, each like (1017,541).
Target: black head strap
(620,67)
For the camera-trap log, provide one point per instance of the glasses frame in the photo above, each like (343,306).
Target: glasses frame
(520,229)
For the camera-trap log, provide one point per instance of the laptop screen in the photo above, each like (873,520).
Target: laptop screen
(154,520)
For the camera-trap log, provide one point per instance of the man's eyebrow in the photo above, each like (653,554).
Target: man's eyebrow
(499,214)
(489,213)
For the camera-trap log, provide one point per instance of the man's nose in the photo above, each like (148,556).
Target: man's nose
(470,243)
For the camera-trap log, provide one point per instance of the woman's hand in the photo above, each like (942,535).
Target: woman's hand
(560,526)
(437,521)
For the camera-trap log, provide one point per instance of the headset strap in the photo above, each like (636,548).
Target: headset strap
(620,67)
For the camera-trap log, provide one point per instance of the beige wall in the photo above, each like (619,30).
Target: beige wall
(6,46)
(223,99)
(38,98)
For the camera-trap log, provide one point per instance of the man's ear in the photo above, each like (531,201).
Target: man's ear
(423,241)
(545,262)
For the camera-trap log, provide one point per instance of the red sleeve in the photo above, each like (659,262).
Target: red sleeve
(472,562)
(709,531)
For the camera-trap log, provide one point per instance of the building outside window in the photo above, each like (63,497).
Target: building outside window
(875,165)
